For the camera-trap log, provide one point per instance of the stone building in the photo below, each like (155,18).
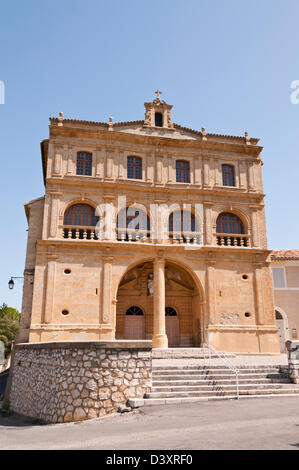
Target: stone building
(285,269)
(149,230)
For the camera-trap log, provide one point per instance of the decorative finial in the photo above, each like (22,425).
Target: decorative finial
(60,119)
(158,93)
(247,139)
(110,124)
(204,134)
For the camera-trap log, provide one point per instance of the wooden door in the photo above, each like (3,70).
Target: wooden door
(281,335)
(134,327)
(173,331)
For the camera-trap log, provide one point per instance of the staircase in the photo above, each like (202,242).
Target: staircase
(179,384)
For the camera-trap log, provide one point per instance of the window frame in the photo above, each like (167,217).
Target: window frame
(238,220)
(84,167)
(70,212)
(227,175)
(133,166)
(180,172)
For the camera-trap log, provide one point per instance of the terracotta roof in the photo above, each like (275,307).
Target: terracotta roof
(285,254)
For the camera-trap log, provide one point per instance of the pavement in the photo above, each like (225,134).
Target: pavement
(249,424)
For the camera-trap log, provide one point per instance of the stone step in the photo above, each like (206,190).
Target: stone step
(184,353)
(212,381)
(212,367)
(227,393)
(216,375)
(218,387)
(137,402)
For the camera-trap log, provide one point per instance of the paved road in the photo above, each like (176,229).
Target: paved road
(271,423)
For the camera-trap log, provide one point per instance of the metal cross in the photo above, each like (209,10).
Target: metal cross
(158,93)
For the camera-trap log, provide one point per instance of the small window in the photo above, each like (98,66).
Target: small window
(278,278)
(182,171)
(135,168)
(134,310)
(278,315)
(65,312)
(228,175)
(84,163)
(170,312)
(158,120)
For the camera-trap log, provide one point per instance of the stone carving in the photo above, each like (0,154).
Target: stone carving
(150,284)
(229,319)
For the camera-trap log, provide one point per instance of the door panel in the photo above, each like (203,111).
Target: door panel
(134,327)
(173,331)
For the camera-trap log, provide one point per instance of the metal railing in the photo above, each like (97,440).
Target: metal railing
(223,356)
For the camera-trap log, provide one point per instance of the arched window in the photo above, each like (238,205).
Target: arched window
(132,223)
(170,312)
(181,221)
(278,315)
(84,163)
(80,215)
(134,310)
(134,168)
(182,171)
(158,120)
(228,175)
(229,223)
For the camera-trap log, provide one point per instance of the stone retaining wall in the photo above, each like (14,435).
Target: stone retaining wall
(62,382)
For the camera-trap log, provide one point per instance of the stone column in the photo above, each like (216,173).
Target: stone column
(50,289)
(70,161)
(106,290)
(206,173)
(211,291)
(207,223)
(159,335)
(259,294)
(251,176)
(254,226)
(100,158)
(55,196)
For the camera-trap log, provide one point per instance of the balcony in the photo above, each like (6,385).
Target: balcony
(232,239)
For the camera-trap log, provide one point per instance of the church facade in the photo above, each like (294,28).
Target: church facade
(149,230)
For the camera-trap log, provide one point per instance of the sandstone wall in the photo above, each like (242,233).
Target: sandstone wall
(61,382)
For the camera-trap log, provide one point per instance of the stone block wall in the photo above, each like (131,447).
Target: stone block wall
(62,382)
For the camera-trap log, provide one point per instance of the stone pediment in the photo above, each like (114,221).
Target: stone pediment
(173,133)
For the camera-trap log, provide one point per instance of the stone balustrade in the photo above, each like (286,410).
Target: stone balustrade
(232,239)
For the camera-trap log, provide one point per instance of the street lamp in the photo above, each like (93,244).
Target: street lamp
(11,283)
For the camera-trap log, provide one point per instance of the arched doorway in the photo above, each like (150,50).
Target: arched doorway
(172,327)
(281,326)
(183,316)
(134,327)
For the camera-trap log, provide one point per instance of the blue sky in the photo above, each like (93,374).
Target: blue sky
(226,66)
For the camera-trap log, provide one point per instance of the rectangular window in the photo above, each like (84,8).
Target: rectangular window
(228,175)
(134,168)
(278,278)
(182,171)
(84,163)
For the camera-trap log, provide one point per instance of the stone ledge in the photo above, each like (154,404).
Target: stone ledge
(118,344)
